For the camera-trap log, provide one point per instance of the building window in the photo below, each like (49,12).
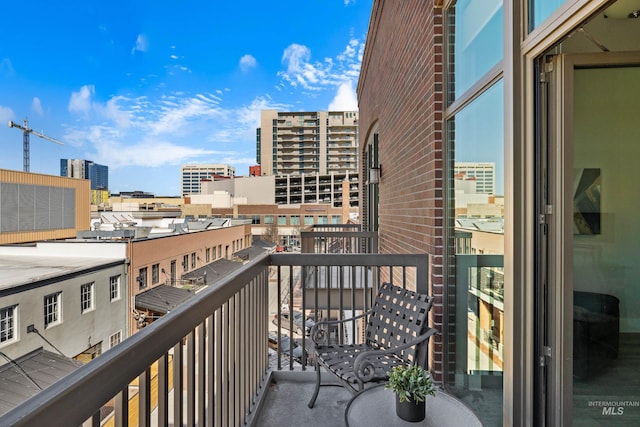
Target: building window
(255,219)
(86,297)
(115,339)
(268,219)
(193,260)
(114,287)
(208,254)
(335,219)
(142,278)
(308,220)
(52,309)
(282,220)
(155,273)
(322,219)
(185,262)
(294,220)
(8,323)
(219,251)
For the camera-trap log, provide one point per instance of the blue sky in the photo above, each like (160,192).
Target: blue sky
(146,86)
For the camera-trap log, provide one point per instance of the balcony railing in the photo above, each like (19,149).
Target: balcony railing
(338,238)
(207,361)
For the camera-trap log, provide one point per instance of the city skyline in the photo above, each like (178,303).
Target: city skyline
(144,90)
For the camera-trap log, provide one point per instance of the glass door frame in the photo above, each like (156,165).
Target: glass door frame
(522,50)
(559,306)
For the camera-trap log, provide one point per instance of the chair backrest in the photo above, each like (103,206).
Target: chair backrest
(398,316)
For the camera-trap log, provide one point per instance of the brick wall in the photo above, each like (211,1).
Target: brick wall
(400,92)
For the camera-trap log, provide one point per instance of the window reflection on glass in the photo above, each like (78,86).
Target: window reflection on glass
(476,139)
(539,10)
(477,43)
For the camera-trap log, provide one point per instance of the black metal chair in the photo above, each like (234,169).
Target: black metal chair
(397,333)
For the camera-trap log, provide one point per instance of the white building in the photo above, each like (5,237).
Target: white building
(73,303)
(193,175)
(484,174)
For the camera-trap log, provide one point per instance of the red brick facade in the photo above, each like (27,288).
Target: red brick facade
(400,93)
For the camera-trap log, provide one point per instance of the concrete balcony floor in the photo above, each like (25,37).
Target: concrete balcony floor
(285,404)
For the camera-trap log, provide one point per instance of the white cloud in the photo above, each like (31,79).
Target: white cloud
(142,44)
(171,129)
(296,57)
(315,75)
(346,98)
(80,101)
(111,111)
(247,62)
(117,149)
(173,56)
(36,106)
(349,51)
(175,113)
(147,153)
(6,114)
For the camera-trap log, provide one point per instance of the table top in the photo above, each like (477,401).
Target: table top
(376,406)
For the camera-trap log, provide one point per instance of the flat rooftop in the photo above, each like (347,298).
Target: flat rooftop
(17,270)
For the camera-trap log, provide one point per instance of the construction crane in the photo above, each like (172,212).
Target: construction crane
(26,130)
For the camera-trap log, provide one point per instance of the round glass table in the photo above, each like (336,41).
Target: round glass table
(376,406)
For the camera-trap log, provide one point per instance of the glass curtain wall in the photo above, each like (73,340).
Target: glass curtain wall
(475,147)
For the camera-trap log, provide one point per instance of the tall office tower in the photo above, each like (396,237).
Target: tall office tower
(484,175)
(86,169)
(193,175)
(295,143)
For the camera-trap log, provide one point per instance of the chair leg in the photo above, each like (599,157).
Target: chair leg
(315,392)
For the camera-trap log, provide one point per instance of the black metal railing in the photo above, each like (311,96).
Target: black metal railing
(317,287)
(338,238)
(205,363)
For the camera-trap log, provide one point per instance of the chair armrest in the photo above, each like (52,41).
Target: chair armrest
(364,370)
(319,336)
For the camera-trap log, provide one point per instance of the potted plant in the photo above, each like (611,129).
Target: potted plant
(411,385)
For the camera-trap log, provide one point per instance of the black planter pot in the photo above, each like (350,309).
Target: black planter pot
(410,411)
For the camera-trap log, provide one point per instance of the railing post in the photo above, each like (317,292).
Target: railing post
(144,401)
(422,275)
(177,384)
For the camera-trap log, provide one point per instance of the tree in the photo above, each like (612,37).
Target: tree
(271,233)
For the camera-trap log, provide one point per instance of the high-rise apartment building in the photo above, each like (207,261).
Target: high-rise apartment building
(484,174)
(86,169)
(193,175)
(295,143)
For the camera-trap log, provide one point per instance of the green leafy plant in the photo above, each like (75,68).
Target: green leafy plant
(411,383)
